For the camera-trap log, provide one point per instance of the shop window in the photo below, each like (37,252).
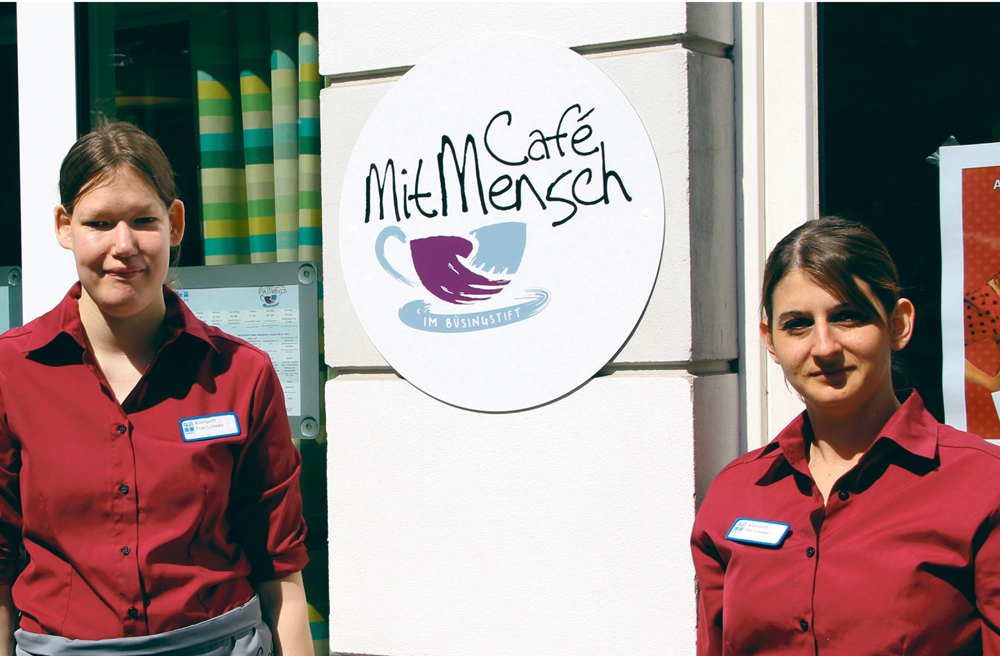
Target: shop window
(896,80)
(10,168)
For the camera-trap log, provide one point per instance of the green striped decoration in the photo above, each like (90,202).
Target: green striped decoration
(310,214)
(310,225)
(258,83)
(320,632)
(258,146)
(285,112)
(225,229)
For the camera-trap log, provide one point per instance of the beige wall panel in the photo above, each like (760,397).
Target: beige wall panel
(559,530)
(368,36)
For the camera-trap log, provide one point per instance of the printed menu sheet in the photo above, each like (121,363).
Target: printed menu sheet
(267,317)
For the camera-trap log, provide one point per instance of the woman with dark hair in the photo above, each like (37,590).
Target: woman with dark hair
(865,527)
(146,462)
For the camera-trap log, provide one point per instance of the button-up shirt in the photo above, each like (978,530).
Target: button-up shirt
(152,514)
(903,558)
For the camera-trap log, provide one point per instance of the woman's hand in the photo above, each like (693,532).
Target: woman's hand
(283,604)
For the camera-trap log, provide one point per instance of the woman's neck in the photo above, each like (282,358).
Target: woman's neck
(840,439)
(137,336)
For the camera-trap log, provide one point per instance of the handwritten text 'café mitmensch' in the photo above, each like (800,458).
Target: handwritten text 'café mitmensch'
(570,139)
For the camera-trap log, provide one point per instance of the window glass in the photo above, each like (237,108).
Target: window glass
(10,176)
(139,70)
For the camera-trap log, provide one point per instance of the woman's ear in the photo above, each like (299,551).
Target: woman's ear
(176,214)
(63,235)
(901,324)
(765,334)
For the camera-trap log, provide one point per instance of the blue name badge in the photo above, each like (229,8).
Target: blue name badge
(757,531)
(210,427)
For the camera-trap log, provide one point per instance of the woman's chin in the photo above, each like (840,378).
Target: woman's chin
(848,400)
(122,302)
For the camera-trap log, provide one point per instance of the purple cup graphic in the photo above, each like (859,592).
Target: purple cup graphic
(443,266)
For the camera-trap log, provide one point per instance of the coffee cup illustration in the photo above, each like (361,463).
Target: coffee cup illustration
(443,265)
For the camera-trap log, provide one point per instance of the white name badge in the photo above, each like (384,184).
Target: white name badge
(210,427)
(757,531)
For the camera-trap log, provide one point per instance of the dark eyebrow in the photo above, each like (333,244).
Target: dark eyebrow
(785,316)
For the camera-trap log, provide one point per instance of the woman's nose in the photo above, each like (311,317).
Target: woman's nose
(124,244)
(825,344)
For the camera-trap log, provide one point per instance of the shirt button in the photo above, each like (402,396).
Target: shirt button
(810,552)
(804,624)
(122,429)
(134,613)
(123,488)
(126,551)
(843,495)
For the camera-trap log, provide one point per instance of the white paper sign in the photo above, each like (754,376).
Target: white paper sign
(267,317)
(4,309)
(501,223)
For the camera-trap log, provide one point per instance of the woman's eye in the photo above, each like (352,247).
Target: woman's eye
(851,317)
(794,325)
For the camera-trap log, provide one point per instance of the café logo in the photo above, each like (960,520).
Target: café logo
(501,223)
(270,294)
(446,271)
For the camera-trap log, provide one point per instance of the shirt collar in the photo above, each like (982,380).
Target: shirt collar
(65,318)
(180,319)
(910,427)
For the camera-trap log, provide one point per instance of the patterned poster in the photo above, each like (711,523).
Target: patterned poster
(970,229)
(981,239)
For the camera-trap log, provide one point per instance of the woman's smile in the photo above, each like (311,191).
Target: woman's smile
(833,372)
(124,273)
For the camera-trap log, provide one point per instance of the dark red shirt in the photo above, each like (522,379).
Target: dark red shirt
(903,559)
(131,529)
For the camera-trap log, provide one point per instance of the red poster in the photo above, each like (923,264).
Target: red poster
(981,246)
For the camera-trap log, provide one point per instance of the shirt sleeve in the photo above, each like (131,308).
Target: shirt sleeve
(10,500)
(987,581)
(266,500)
(711,575)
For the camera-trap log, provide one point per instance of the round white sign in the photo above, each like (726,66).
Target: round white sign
(501,223)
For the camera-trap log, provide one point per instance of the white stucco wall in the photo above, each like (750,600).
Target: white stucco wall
(563,529)
(560,530)
(385,35)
